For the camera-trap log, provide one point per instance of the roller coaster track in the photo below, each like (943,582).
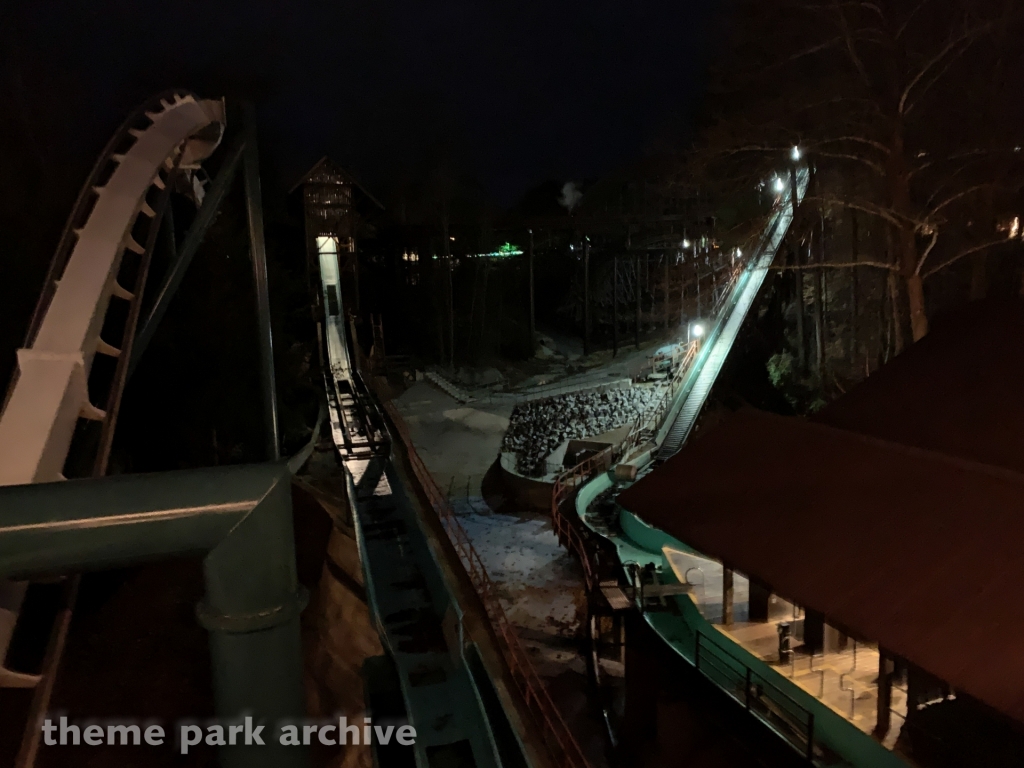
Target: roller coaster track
(723,334)
(735,305)
(61,409)
(420,618)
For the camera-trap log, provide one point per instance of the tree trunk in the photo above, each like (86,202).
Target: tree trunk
(636,290)
(906,240)
(586,296)
(814,256)
(450,296)
(915,300)
(682,289)
(854,255)
(801,334)
(533,323)
(615,306)
(665,257)
(896,319)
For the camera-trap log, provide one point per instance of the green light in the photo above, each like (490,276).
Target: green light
(504,251)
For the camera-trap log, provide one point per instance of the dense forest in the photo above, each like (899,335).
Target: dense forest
(906,112)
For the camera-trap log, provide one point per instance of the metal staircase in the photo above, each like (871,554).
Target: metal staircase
(720,340)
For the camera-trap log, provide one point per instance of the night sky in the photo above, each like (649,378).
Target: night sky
(513,92)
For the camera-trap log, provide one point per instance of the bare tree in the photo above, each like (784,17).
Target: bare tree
(883,98)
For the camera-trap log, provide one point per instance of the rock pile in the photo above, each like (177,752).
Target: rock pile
(537,428)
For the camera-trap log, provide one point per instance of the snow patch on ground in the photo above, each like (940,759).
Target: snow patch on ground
(475,419)
(537,578)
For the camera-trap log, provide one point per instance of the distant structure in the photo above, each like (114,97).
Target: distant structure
(333,201)
(334,205)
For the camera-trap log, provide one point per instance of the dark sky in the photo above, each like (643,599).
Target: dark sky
(515,91)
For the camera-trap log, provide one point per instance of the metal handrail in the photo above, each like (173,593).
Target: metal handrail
(843,687)
(530,685)
(563,487)
(708,653)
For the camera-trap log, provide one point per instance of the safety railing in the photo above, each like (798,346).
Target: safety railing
(557,734)
(569,481)
(769,703)
(568,534)
(677,379)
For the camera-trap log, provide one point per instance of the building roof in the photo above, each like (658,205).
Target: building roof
(914,549)
(326,164)
(960,390)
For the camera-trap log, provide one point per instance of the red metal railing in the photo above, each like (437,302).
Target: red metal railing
(556,733)
(570,481)
(568,534)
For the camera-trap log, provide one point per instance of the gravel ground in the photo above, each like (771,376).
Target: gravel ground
(536,429)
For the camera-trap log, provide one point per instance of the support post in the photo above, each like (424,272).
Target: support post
(586,295)
(451,295)
(258,254)
(815,256)
(682,287)
(814,632)
(636,287)
(666,292)
(241,517)
(727,596)
(696,272)
(855,288)
(181,260)
(615,306)
(801,333)
(760,596)
(883,719)
(801,340)
(252,615)
(533,326)
(643,676)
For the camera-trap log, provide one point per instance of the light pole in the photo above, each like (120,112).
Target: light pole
(533,327)
(586,295)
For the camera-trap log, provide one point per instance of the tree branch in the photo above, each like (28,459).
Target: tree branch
(858,139)
(876,167)
(927,252)
(967,252)
(872,210)
(910,17)
(851,48)
(841,265)
(959,195)
(966,38)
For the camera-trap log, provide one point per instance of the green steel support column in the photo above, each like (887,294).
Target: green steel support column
(258,253)
(241,517)
(180,262)
(251,610)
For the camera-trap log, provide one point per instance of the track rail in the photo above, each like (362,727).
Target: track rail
(49,411)
(557,734)
(730,319)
